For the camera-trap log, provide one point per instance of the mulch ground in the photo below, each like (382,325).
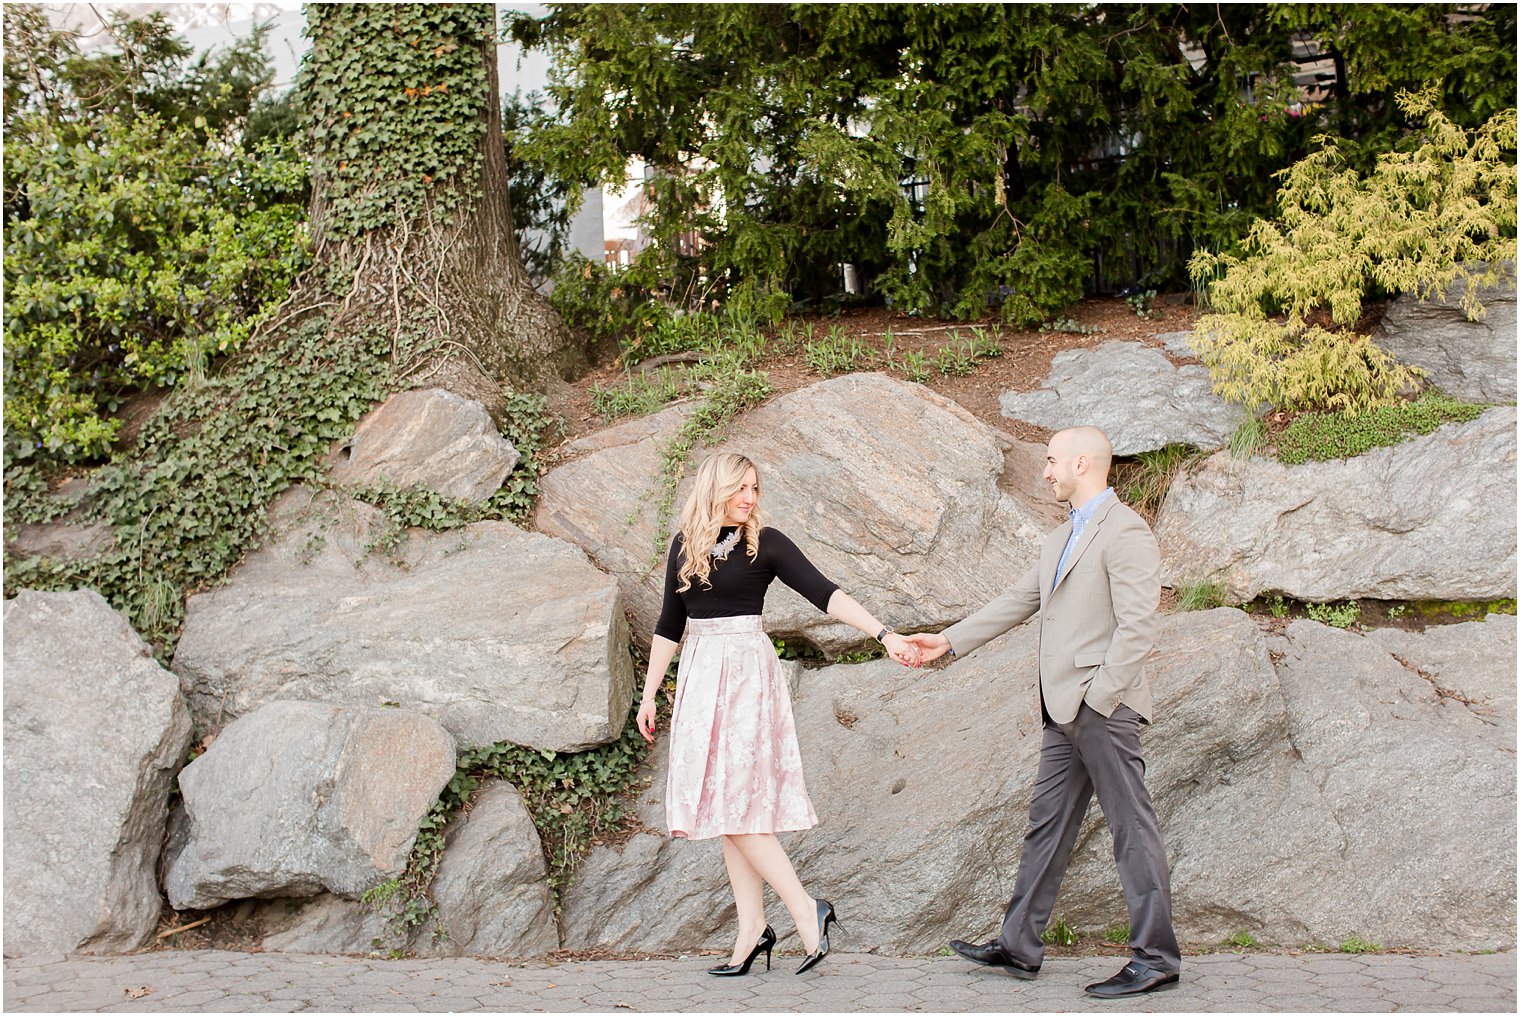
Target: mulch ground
(1025,362)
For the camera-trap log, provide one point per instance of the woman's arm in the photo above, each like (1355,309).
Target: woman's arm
(843,607)
(661,652)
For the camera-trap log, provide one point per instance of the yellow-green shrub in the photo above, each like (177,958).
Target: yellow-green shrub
(1284,311)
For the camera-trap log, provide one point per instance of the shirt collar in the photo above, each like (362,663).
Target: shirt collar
(1085,513)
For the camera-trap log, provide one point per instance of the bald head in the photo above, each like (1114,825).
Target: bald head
(1077,461)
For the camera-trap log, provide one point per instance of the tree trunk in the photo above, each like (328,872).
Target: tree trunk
(410,213)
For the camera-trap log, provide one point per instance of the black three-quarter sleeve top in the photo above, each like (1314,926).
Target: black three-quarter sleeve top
(736,584)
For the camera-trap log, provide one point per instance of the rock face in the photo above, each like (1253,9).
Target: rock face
(94,732)
(492,887)
(497,633)
(1179,344)
(1472,360)
(1396,523)
(1134,393)
(1335,792)
(431,437)
(492,893)
(891,490)
(297,797)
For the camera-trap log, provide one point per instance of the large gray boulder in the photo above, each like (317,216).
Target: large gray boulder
(497,633)
(1431,518)
(1332,792)
(1134,393)
(298,797)
(428,437)
(891,490)
(491,888)
(1473,360)
(94,732)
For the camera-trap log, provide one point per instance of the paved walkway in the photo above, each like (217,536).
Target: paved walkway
(211,981)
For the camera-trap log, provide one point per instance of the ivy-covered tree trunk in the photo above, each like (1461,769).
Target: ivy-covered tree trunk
(410,215)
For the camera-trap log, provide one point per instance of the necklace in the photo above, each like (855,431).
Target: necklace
(721,549)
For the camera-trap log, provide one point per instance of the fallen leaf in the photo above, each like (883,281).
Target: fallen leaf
(141,991)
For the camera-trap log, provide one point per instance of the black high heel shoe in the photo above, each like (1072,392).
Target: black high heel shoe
(825,918)
(767,940)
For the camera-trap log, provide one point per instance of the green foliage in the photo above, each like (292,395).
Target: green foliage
(1242,940)
(915,366)
(638,394)
(1117,935)
(1058,932)
(1276,606)
(968,155)
(1201,596)
(1249,439)
(1343,616)
(1142,484)
(542,203)
(1069,326)
(573,798)
(142,235)
(189,500)
(393,95)
(956,358)
(836,353)
(1356,944)
(1322,436)
(1143,304)
(1285,309)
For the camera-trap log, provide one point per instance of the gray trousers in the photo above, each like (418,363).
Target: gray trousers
(1103,754)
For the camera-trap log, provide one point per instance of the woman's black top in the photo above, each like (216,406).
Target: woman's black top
(736,585)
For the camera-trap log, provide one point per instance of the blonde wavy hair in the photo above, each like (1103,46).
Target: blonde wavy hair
(718,478)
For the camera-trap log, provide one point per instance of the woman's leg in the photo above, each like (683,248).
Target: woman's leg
(767,858)
(749,897)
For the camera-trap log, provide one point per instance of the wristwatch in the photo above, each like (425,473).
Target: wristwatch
(884,631)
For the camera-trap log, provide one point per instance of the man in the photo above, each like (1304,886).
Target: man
(1096,589)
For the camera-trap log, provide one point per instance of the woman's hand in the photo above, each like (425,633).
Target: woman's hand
(645,719)
(902,650)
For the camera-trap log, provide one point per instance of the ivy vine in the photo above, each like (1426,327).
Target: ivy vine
(393,94)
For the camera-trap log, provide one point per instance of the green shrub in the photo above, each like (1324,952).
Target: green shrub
(836,353)
(1058,932)
(145,231)
(638,394)
(1321,436)
(1357,944)
(1282,331)
(1142,484)
(1242,940)
(1343,616)
(1201,596)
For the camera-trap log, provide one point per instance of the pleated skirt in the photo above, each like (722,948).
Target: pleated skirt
(735,766)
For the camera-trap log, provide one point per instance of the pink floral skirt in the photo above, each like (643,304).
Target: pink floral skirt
(734,762)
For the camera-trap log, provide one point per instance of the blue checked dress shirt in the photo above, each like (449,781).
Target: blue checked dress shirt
(1080,517)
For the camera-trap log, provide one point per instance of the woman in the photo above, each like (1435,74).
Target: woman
(735,768)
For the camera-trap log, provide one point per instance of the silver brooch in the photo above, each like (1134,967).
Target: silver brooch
(721,549)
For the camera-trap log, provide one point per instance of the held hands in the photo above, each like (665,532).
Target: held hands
(902,650)
(645,719)
(929,645)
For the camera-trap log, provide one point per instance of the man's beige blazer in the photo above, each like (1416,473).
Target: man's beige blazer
(1098,624)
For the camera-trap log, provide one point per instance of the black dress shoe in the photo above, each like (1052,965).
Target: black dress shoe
(993,955)
(1134,979)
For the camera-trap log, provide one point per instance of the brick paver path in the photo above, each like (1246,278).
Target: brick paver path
(206,980)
